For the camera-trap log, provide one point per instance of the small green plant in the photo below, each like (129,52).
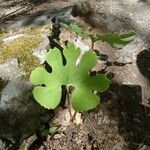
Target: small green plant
(47,89)
(44,130)
(116,40)
(76,29)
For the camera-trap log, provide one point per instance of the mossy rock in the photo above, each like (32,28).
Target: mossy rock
(20,45)
(20,53)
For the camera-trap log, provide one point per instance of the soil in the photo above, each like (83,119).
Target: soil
(121,122)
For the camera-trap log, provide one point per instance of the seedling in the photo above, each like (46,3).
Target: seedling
(83,97)
(48,130)
(75,29)
(116,40)
(44,131)
(47,89)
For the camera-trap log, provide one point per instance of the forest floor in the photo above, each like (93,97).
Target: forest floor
(114,125)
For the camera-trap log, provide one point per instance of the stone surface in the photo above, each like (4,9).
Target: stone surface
(20,114)
(129,74)
(37,14)
(45,18)
(2,145)
(116,16)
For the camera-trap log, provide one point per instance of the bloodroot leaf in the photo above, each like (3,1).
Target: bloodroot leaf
(83,98)
(117,40)
(75,29)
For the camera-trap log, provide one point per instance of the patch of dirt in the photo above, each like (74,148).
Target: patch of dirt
(115,125)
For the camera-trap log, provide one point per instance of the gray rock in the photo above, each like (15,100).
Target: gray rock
(63,14)
(129,74)
(114,16)
(42,49)
(20,114)
(2,145)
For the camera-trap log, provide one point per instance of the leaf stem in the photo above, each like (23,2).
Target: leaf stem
(92,45)
(68,101)
(72,117)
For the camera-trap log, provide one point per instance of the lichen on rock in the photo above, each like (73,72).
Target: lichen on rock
(21,48)
(46,29)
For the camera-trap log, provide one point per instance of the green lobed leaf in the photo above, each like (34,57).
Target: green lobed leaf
(76,29)
(83,97)
(117,40)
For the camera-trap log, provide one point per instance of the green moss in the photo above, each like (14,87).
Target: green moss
(37,30)
(2,36)
(21,48)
